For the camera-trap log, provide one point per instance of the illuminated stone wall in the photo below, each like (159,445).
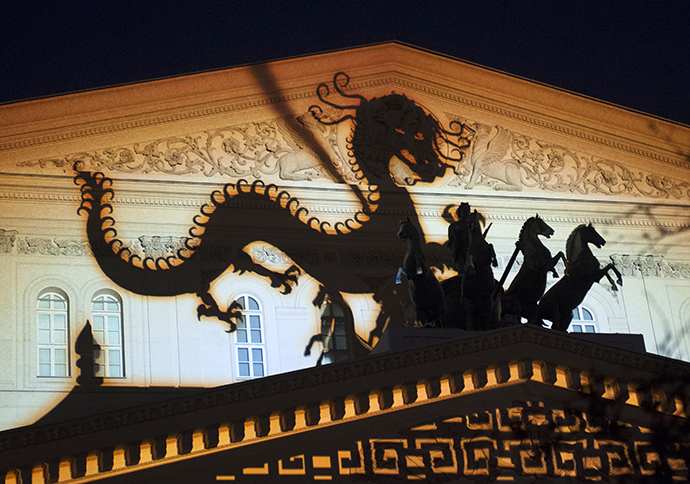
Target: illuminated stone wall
(167,145)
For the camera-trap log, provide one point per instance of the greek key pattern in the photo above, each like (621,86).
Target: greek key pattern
(526,440)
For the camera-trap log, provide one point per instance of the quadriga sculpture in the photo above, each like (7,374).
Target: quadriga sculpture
(384,129)
(520,300)
(425,290)
(582,270)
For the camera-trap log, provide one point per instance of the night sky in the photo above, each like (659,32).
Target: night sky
(635,54)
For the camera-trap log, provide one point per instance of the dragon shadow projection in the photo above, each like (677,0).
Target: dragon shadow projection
(384,129)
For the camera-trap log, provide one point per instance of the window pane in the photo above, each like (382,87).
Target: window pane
(337,311)
(98,304)
(98,337)
(257,355)
(113,306)
(586,315)
(576,315)
(241,335)
(98,322)
(253,305)
(44,369)
(114,356)
(60,370)
(244,369)
(255,322)
(243,354)
(114,338)
(114,371)
(60,356)
(44,303)
(589,328)
(240,302)
(44,321)
(59,303)
(113,323)
(59,337)
(241,323)
(44,355)
(258,369)
(576,328)
(59,321)
(44,336)
(256,336)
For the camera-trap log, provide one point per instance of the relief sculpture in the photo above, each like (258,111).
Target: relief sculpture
(506,160)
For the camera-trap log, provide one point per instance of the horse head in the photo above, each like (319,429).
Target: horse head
(591,236)
(535,226)
(407,230)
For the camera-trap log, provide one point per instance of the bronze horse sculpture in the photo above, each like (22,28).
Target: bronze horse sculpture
(582,271)
(425,290)
(524,292)
(391,127)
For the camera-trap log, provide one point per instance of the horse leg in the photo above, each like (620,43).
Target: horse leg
(554,261)
(564,318)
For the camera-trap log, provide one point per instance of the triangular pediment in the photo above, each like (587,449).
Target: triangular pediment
(242,122)
(517,403)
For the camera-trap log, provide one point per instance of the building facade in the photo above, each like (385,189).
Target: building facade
(184,156)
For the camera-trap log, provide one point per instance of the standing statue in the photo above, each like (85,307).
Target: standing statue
(425,290)
(474,291)
(582,270)
(520,300)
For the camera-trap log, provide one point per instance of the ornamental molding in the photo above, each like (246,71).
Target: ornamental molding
(155,247)
(394,79)
(506,160)
(498,158)
(564,361)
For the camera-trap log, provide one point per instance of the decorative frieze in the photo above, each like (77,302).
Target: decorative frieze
(650,266)
(506,160)
(7,238)
(286,147)
(53,247)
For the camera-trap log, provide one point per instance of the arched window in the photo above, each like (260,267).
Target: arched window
(334,333)
(53,335)
(106,313)
(249,339)
(583,321)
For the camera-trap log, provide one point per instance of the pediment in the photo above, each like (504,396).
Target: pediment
(518,403)
(254,123)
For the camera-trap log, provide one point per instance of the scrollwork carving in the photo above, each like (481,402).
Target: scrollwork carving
(505,160)
(7,239)
(52,247)
(650,266)
(281,146)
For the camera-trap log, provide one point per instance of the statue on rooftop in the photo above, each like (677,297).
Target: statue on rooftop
(582,271)
(528,286)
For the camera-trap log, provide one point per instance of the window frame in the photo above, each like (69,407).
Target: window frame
(249,342)
(51,346)
(581,324)
(102,334)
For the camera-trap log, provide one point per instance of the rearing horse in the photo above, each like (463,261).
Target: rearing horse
(582,270)
(521,298)
(425,290)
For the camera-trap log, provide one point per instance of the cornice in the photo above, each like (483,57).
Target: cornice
(641,374)
(392,77)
